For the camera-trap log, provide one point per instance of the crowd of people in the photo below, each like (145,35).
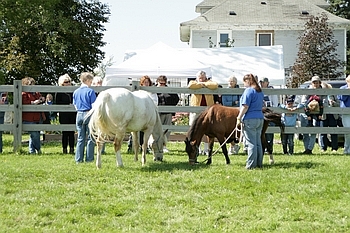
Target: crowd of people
(250,117)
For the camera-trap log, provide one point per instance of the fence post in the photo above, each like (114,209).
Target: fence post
(17,116)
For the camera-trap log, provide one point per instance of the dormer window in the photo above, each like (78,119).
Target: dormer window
(232,13)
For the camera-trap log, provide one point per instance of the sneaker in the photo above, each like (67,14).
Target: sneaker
(236,149)
(307,152)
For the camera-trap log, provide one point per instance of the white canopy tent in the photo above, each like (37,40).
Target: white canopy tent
(160,59)
(181,64)
(263,61)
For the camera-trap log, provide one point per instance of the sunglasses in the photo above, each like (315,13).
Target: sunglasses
(66,82)
(162,83)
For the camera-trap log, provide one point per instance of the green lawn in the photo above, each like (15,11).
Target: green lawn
(50,193)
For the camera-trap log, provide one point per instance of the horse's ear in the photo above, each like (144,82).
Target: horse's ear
(193,143)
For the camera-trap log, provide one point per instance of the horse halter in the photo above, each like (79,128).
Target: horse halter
(194,160)
(156,142)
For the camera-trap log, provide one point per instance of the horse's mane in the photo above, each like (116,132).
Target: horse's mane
(196,122)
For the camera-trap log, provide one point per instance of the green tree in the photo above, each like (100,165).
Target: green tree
(317,52)
(341,8)
(46,38)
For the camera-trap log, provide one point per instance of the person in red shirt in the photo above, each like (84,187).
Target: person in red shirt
(33,98)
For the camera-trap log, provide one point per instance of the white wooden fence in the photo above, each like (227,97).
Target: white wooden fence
(17,108)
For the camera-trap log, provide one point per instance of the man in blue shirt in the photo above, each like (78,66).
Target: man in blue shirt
(83,98)
(345,103)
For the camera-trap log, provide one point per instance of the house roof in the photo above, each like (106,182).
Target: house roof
(208,4)
(254,14)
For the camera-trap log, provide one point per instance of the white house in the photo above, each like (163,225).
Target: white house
(259,23)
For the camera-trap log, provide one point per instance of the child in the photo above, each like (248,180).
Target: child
(289,120)
(51,115)
(314,110)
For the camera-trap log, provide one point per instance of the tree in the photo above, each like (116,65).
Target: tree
(46,38)
(317,52)
(341,8)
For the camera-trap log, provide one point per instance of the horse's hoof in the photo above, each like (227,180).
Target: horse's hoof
(272,161)
(158,159)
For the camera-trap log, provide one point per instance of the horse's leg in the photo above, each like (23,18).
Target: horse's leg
(224,149)
(98,156)
(264,142)
(117,146)
(136,144)
(146,136)
(210,152)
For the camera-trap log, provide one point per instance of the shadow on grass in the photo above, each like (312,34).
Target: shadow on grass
(296,165)
(165,166)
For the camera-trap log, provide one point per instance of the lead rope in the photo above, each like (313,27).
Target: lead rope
(236,129)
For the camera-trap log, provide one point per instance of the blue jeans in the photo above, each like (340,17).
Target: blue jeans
(2,116)
(252,135)
(34,139)
(288,143)
(308,139)
(346,123)
(83,136)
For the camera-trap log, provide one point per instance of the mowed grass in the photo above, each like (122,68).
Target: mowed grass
(50,193)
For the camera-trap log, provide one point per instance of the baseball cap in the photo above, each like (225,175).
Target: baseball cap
(315,79)
(265,80)
(290,100)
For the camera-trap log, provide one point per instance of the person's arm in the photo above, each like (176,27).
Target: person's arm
(242,111)
(174,99)
(194,85)
(211,85)
(321,107)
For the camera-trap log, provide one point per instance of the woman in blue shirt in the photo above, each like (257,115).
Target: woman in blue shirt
(251,116)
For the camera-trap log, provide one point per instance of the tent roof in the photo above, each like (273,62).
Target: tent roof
(159,59)
(263,61)
(219,63)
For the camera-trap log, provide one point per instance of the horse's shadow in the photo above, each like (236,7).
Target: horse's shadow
(167,166)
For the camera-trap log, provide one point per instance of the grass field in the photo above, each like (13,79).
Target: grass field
(50,193)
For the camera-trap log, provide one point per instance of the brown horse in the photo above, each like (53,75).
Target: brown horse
(219,122)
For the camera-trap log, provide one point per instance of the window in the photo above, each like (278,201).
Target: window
(224,39)
(264,38)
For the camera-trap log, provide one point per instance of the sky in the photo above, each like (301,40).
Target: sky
(139,24)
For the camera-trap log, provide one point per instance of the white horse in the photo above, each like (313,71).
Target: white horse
(117,111)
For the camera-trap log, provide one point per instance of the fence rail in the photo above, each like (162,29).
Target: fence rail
(17,108)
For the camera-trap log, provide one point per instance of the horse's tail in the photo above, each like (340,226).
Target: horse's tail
(99,124)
